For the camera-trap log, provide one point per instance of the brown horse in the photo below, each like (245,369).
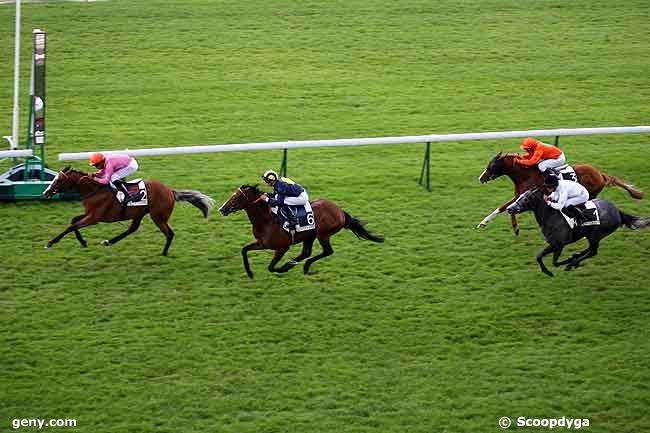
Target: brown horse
(526,178)
(101,205)
(269,234)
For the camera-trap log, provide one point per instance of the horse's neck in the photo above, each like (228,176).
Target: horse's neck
(258,214)
(87,187)
(517,173)
(548,220)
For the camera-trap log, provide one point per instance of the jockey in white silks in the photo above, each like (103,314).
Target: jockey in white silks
(566,196)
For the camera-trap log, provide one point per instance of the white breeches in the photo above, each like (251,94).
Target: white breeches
(125,171)
(301,200)
(576,200)
(552,163)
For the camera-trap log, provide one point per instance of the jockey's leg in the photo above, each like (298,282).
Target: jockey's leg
(549,166)
(301,200)
(288,214)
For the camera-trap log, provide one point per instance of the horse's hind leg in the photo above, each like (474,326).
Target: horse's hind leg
(306,252)
(584,255)
(165,229)
(135,224)
(327,251)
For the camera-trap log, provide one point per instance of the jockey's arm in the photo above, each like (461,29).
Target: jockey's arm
(103,176)
(560,202)
(530,160)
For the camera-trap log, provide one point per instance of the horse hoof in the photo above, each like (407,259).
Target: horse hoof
(106,243)
(250,275)
(481,226)
(84,245)
(48,246)
(516,231)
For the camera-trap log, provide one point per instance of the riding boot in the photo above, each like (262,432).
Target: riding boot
(549,172)
(121,186)
(576,213)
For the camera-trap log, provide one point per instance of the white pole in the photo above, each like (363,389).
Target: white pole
(14,129)
(364,141)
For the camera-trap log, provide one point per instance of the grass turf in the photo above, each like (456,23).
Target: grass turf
(442,328)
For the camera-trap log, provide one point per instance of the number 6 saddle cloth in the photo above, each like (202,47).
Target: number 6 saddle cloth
(304,215)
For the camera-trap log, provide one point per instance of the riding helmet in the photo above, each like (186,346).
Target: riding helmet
(529,143)
(269,176)
(96,158)
(551,180)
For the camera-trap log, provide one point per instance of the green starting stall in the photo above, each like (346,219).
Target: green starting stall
(28,180)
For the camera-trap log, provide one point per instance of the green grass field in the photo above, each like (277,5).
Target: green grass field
(440,329)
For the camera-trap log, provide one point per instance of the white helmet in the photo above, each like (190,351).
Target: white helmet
(270,176)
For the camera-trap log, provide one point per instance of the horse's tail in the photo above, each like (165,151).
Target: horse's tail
(631,189)
(197,199)
(635,223)
(360,230)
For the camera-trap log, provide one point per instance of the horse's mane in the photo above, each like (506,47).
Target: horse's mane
(69,169)
(255,188)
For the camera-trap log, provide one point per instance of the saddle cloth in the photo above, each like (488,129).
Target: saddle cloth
(304,214)
(134,186)
(566,172)
(590,212)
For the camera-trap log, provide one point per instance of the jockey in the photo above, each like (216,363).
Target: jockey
(113,168)
(548,157)
(565,195)
(287,193)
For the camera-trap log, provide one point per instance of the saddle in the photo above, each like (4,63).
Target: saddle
(590,215)
(566,172)
(138,189)
(303,214)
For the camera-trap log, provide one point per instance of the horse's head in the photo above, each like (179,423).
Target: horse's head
(495,168)
(243,197)
(526,201)
(64,179)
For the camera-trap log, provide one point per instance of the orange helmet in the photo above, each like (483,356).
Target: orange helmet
(529,143)
(96,158)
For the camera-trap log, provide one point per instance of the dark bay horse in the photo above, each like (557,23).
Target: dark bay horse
(269,235)
(101,205)
(526,178)
(558,233)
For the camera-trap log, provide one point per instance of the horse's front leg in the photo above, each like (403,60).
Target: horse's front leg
(77,233)
(86,220)
(276,258)
(484,222)
(244,252)
(540,259)
(306,252)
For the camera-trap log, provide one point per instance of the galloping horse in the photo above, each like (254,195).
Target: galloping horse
(269,235)
(558,233)
(101,205)
(526,178)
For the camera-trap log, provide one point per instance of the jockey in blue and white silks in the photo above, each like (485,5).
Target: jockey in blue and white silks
(286,193)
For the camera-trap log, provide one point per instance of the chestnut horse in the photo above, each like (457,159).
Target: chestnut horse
(101,205)
(526,178)
(269,235)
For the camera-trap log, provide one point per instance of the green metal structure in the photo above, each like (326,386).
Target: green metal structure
(28,180)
